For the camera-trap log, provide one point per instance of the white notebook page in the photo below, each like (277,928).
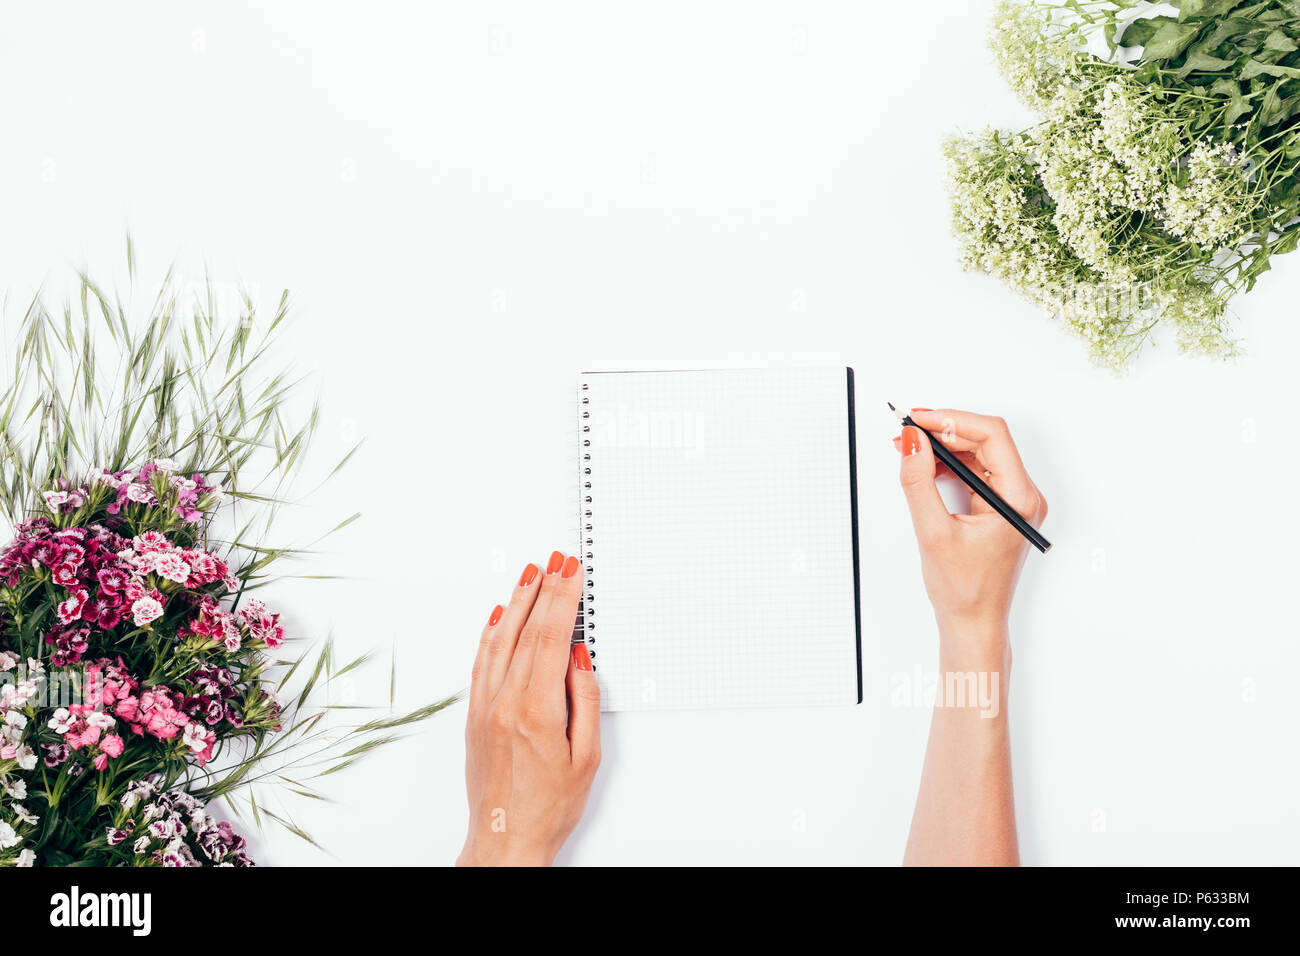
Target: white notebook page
(721,556)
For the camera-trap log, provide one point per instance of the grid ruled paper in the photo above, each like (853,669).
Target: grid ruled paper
(721,538)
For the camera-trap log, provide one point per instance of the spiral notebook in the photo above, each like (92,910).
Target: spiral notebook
(718,526)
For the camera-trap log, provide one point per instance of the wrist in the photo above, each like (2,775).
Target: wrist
(983,633)
(974,645)
(497,851)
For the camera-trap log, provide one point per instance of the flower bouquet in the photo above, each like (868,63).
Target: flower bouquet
(139,677)
(1160,179)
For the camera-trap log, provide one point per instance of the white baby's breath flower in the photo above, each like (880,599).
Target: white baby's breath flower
(1109,212)
(1210,209)
(1036,52)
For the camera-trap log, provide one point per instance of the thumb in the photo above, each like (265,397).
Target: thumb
(916,474)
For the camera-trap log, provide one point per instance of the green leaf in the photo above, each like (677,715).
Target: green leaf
(1280,42)
(1137,33)
(1237,108)
(1287,243)
(1203,62)
(1204,9)
(1271,107)
(1254,68)
(1231,28)
(1169,40)
(1288,108)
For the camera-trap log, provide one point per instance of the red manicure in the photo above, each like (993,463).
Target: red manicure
(911,441)
(529,576)
(553,565)
(581,658)
(495,616)
(570,567)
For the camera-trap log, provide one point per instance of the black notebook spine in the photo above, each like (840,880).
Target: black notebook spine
(853,506)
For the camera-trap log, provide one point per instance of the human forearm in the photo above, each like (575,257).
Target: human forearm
(965,814)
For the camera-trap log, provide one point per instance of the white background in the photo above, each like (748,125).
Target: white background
(471,203)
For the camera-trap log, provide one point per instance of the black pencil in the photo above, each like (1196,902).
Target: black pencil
(976,484)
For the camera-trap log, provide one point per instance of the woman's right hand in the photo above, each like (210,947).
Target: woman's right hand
(965,810)
(970,562)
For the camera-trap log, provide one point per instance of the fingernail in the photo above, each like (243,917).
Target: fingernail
(554,564)
(923,409)
(495,615)
(911,441)
(570,567)
(529,576)
(581,658)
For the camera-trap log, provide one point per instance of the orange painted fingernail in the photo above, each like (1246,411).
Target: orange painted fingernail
(581,657)
(570,567)
(923,409)
(529,576)
(495,615)
(911,441)
(555,563)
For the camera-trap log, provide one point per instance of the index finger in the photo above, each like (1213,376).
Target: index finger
(986,435)
(555,637)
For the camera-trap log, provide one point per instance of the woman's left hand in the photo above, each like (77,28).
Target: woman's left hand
(532,738)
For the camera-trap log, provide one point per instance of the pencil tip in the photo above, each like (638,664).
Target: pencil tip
(891,406)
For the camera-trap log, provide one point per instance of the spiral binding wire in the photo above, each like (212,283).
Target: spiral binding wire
(585,629)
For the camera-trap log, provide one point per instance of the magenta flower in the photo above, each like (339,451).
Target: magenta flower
(65,574)
(70,609)
(112,578)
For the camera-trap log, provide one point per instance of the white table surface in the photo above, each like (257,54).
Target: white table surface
(471,203)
